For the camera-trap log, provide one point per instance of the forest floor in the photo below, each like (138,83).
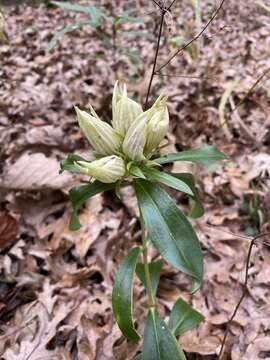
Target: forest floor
(55,285)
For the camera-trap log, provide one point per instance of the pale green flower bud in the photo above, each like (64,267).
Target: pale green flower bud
(157,126)
(124,110)
(135,138)
(103,138)
(108,169)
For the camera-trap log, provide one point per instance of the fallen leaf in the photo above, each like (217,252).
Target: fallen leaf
(9,228)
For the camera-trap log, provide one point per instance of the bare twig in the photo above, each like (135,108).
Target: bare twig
(172,3)
(237,235)
(256,83)
(163,12)
(244,291)
(192,40)
(188,76)
(251,89)
(239,120)
(157,3)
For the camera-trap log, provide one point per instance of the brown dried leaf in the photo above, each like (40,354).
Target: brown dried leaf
(9,228)
(33,171)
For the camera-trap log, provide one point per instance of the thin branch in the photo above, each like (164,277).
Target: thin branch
(251,89)
(169,8)
(256,83)
(155,59)
(188,76)
(192,40)
(244,291)
(238,235)
(157,3)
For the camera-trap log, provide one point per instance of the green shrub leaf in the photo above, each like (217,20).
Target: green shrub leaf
(183,318)
(169,180)
(169,230)
(159,342)
(122,295)
(205,156)
(80,194)
(154,269)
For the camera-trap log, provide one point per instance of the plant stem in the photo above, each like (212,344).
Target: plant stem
(155,59)
(151,300)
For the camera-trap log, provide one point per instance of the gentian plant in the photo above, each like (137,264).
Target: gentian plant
(126,154)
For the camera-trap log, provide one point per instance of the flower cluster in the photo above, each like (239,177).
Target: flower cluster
(133,137)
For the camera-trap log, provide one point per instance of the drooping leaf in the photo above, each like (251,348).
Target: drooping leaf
(154,269)
(196,208)
(66,29)
(183,318)
(205,156)
(80,194)
(169,180)
(68,163)
(159,342)
(93,11)
(122,295)
(169,230)
(138,357)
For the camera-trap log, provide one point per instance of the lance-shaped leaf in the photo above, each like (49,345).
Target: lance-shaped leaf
(63,31)
(122,295)
(205,156)
(136,171)
(159,342)
(183,318)
(196,208)
(154,269)
(80,194)
(138,357)
(167,179)
(169,230)
(68,163)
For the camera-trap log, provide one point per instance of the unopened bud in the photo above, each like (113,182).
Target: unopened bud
(108,169)
(124,110)
(135,139)
(157,125)
(103,138)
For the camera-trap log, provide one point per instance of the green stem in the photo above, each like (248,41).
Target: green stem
(151,300)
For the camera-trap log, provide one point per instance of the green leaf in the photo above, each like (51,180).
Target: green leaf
(66,29)
(138,357)
(80,194)
(159,342)
(68,163)
(126,17)
(205,156)
(93,11)
(168,180)
(137,33)
(122,295)
(155,269)
(169,230)
(136,171)
(196,208)
(183,318)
